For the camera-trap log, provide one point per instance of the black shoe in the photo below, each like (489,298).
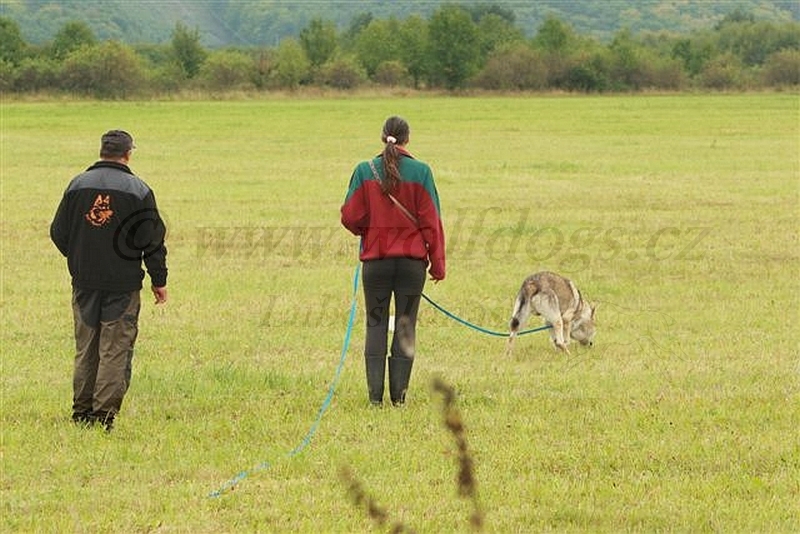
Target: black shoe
(399,377)
(376,373)
(83,418)
(105,419)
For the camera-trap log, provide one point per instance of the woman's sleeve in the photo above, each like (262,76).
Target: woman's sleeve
(354,214)
(432,229)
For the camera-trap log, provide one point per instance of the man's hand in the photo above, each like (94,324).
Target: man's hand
(160,294)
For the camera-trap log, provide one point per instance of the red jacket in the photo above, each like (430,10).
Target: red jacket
(385,231)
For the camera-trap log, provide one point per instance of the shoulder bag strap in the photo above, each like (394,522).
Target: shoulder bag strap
(397,203)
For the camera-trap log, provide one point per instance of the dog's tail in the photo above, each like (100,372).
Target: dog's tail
(516,319)
(521,311)
(521,306)
(515,316)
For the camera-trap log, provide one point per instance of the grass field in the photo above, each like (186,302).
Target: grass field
(679,215)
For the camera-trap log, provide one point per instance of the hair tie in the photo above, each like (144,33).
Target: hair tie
(391,139)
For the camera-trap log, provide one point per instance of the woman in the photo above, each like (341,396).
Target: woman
(393,205)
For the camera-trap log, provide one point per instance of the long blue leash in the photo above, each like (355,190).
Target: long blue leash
(327,402)
(480,328)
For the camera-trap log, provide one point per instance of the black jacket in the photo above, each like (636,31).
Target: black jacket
(106,224)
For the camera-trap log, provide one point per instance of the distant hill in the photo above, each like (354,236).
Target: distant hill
(265,22)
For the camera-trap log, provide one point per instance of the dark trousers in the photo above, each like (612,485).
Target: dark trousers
(106,326)
(401,279)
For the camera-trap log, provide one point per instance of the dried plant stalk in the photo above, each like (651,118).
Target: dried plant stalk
(467,484)
(362,499)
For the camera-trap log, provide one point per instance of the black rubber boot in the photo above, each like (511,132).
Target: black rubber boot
(376,373)
(399,376)
(83,418)
(106,419)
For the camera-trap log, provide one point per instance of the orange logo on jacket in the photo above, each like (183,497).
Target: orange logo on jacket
(100,213)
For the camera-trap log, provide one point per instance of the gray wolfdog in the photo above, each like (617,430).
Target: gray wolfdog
(561,305)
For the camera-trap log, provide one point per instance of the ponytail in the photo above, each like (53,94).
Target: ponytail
(395,131)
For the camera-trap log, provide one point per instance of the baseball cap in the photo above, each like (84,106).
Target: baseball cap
(116,143)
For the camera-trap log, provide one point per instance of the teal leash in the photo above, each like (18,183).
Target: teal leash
(230,484)
(325,404)
(480,328)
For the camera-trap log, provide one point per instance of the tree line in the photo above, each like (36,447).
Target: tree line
(456,48)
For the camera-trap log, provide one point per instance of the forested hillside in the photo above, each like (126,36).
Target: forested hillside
(266,22)
(455,47)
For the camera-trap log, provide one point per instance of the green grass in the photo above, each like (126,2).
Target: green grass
(677,214)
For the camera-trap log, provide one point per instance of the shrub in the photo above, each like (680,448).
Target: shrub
(517,67)
(226,70)
(8,75)
(782,68)
(168,78)
(666,74)
(109,70)
(292,67)
(264,63)
(392,73)
(587,72)
(342,73)
(37,74)
(722,72)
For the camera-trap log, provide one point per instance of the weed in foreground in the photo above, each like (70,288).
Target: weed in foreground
(362,498)
(467,484)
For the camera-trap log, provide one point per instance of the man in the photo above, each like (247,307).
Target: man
(106,225)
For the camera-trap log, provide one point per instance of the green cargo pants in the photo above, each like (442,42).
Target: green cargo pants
(106,326)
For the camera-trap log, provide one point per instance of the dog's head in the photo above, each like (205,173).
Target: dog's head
(583,325)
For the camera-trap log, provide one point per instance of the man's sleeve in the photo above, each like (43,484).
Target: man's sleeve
(59,228)
(154,249)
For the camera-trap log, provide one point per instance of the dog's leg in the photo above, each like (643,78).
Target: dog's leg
(546,305)
(510,344)
(557,334)
(565,330)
